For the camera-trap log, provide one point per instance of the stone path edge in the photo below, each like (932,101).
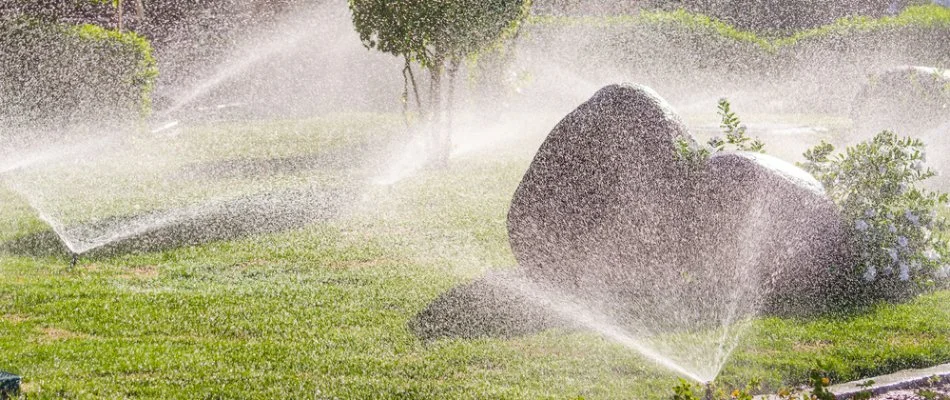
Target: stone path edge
(887,383)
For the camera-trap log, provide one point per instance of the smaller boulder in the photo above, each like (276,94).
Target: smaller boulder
(909,100)
(778,215)
(497,305)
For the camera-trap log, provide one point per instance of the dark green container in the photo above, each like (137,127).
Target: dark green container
(9,386)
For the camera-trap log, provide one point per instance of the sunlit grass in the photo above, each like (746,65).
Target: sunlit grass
(322,311)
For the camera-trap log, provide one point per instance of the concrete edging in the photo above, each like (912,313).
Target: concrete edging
(887,383)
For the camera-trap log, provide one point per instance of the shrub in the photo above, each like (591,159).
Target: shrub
(896,234)
(818,378)
(57,74)
(895,225)
(920,35)
(685,390)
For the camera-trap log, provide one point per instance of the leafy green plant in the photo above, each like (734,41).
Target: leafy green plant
(63,74)
(735,133)
(819,382)
(736,138)
(685,390)
(693,155)
(439,36)
(894,224)
(929,393)
(865,394)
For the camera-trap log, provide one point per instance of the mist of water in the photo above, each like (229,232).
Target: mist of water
(590,319)
(96,193)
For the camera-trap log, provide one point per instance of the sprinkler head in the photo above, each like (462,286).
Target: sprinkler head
(75,260)
(710,392)
(9,386)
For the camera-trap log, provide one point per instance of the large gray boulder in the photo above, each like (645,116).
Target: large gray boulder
(609,212)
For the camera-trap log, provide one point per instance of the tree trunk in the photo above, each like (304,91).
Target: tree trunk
(405,96)
(415,88)
(139,13)
(446,146)
(435,117)
(409,78)
(118,12)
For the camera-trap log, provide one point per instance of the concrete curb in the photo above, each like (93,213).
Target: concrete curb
(887,383)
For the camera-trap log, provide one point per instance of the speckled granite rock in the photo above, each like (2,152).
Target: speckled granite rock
(608,211)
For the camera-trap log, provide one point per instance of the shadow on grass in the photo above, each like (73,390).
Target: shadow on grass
(250,168)
(216,221)
(484,308)
(39,244)
(488,307)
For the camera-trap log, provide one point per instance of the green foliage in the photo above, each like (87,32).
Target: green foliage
(431,32)
(689,43)
(685,390)
(113,3)
(734,131)
(929,393)
(60,74)
(391,27)
(818,379)
(895,226)
(704,23)
(820,382)
(923,16)
(736,139)
(434,33)
(693,155)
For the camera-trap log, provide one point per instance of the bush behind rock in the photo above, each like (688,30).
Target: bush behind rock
(58,74)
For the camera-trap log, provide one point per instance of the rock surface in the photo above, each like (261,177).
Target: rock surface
(774,222)
(608,211)
(493,306)
(611,218)
(910,100)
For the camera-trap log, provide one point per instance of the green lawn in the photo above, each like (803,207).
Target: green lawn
(321,311)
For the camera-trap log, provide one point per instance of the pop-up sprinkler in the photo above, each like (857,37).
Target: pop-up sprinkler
(9,386)
(710,392)
(75,260)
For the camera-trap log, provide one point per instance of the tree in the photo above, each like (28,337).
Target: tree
(435,34)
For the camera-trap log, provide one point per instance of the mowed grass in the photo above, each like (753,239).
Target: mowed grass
(322,311)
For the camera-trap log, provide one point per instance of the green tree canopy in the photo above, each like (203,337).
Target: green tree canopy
(431,30)
(433,33)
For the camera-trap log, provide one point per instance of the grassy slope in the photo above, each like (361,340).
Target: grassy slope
(321,312)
